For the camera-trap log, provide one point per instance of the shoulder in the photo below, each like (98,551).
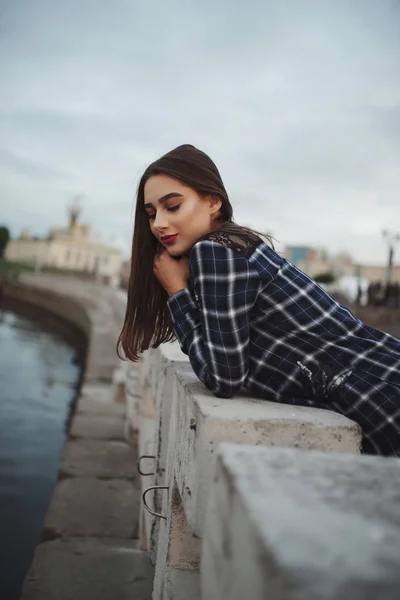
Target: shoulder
(239,239)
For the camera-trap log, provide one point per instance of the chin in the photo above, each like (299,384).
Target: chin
(178,251)
(174,251)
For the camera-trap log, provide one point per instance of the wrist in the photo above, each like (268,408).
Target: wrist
(176,288)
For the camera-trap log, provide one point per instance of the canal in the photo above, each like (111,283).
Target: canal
(40,370)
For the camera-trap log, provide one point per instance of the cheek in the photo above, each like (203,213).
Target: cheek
(193,216)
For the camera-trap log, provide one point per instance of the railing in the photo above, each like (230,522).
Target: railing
(241,515)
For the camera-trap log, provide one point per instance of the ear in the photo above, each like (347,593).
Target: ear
(215,204)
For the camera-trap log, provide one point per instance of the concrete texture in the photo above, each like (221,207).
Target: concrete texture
(97,427)
(88,569)
(170,358)
(133,395)
(287,524)
(147,447)
(99,399)
(93,407)
(202,421)
(181,585)
(98,458)
(178,548)
(147,403)
(97,392)
(154,365)
(144,371)
(199,422)
(91,507)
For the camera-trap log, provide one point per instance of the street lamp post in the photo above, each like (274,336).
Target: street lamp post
(391,239)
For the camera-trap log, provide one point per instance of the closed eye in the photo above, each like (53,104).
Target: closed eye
(170,209)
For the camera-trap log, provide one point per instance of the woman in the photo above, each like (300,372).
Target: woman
(248,319)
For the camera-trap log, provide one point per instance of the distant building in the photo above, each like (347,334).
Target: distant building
(300,254)
(315,261)
(69,248)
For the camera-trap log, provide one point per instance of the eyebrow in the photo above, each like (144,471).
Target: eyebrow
(165,198)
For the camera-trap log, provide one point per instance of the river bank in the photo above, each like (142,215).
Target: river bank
(41,362)
(89,547)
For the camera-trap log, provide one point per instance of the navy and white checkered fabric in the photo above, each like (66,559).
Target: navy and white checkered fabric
(254,322)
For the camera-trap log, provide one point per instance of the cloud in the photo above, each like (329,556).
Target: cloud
(297,103)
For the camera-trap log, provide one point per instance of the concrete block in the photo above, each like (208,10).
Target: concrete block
(142,532)
(147,403)
(147,448)
(93,507)
(144,366)
(88,569)
(171,358)
(101,459)
(288,524)
(119,375)
(98,392)
(132,374)
(154,373)
(146,436)
(118,386)
(177,547)
(181,585)
(133,395)
(94,407)
(98,427)
(201,421)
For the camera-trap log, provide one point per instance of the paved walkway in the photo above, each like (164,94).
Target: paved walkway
(89,549)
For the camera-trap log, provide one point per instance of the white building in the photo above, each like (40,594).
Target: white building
(69,248)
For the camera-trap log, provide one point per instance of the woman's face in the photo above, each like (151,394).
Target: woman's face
(178,215)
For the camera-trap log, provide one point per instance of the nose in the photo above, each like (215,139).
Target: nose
(160,221)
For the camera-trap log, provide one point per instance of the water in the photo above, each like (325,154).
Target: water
(39,374)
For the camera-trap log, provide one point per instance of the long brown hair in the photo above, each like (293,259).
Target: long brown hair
(147,319)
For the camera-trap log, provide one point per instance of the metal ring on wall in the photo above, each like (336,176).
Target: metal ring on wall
(138,465)
(153,487)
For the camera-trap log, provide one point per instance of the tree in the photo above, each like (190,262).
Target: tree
(4,239)
(326,277)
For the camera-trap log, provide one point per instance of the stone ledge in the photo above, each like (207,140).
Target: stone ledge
(97,427)
(92,507)
(88,569)
(95,407)
(171,357)
(99,392)
(294,525)
(201,421)
(98,458)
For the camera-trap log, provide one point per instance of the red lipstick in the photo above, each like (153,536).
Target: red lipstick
(169,239)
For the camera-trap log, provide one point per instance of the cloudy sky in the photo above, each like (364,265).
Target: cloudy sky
(297,102)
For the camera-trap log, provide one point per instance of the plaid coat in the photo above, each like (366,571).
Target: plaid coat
(251,321)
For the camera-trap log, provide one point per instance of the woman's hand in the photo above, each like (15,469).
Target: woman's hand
(171,273)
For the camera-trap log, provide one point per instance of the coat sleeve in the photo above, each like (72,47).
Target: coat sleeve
(213,323)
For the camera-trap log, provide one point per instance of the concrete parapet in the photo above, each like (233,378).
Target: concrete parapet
(202,421)
(198,422)
(153,416)
(132,395)
(288,524)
